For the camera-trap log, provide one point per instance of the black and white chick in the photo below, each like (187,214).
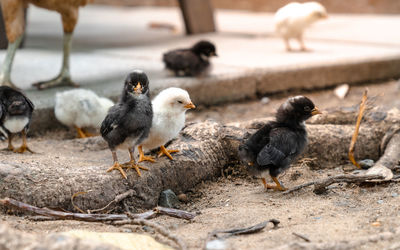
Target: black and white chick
(15,116)
(128,122)
(274,147)
(192,61)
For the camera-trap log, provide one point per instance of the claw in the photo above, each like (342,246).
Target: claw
(132,164)
(118,167)
(164,151)
(142,157)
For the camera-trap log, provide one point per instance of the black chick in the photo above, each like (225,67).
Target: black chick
(15,116)
(192,61)
(279,142)
(128,122)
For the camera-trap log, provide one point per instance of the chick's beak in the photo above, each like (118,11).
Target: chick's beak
(138,88)
(315,111)
(214,54)
(190,105)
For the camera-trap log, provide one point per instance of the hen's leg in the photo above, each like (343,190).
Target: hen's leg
(116,165)
(13,15)
(69,19)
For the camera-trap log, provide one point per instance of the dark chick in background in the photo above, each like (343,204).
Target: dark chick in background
(128,122)
(274,147)
(15,116)
(192,61)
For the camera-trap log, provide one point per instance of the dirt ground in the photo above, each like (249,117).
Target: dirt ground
(346,212)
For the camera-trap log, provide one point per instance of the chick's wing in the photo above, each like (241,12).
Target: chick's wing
(280,149)
(112,120)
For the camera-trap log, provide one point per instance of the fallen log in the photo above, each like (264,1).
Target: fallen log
(50,179)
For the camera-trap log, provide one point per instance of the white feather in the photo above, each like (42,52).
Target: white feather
(292,19)
(15,124)
(81,108)
(168,117)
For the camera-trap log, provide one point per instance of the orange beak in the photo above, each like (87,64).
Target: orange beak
(315,111)
(138,88)
(190,105)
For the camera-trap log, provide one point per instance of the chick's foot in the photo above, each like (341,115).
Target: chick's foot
(23,149)
(164,151)
(118,167)
(132,164)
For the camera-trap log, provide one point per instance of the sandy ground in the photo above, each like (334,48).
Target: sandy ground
(346,212)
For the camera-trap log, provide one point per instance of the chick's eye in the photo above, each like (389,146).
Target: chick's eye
(180,102)
(307,108)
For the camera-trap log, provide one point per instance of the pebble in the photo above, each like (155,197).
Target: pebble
(366,163)
(341,91)
(265,100)
(216,245)
(168,199)
(395,194)
(183,197)
(380,201)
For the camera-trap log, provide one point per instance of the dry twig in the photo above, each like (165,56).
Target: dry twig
(321,185)
(358,123)
(301,237)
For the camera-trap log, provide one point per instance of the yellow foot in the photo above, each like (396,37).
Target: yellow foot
(118,167)
(132,164)
(164,151)
(23,149)
(278,188)
(146,158)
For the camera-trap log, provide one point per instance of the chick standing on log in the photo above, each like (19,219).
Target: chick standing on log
(292,19)
(81,108)
(169,108)
(279,142)
(128,122)
(15,117)
(192,61)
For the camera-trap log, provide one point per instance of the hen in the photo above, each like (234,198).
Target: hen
(13,14)
(81,108)
(292,19)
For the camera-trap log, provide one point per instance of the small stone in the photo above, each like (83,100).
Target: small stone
(148,229)
(341,91)
(395,194)
(183,197)
(216,245)
(380,201)
(376,224)
(168,199)
(265,100)
(366,163)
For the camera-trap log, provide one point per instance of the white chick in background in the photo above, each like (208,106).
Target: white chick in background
(169,108)
(81,108)
(292,19)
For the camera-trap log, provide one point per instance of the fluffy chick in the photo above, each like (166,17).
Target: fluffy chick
(169,108)
(292,19)
(81,108)
(273,147)
(15,116)
(192,61)
(128,122)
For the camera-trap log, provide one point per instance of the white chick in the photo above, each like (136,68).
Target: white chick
(81,108)
(169,108)
(292,19)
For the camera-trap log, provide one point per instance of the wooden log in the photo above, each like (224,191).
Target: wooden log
(51,178)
